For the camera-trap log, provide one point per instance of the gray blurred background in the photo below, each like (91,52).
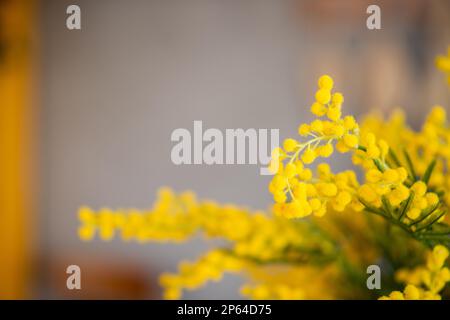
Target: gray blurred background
(113,92)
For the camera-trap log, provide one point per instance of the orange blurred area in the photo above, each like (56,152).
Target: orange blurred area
(17,145)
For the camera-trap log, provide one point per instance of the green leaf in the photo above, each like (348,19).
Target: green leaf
(426,226)
(406,205)
(425,214)
(371,208)
(378,164)
(394,158)
(429,171)
(387,206)
(410,165)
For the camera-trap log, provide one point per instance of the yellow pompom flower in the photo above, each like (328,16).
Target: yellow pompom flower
(411,292)
(334,113)
(413,213)
(419,188)
(304,129)
(337,98)
(325,151)
(323,96)
(350,123)
(351,140)
(290,170)
(342,147)
(373,151)
(290,145)
(326,82)
(309,156)
(279,196)
(432,198)
(318,109)
(390,176)
(317,126)
(373,175)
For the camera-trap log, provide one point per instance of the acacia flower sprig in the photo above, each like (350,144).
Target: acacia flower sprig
(393,187)
(295,190)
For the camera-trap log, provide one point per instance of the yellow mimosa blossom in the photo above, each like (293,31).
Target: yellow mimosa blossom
(424,282)
(443,63)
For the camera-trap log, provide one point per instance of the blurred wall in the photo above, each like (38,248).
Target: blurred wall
(114,91)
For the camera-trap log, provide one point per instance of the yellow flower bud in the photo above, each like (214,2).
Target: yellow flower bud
(419,188)
(306,174)
(299,165)
(290,145)
(337,98)
(373,175)
(440,254)
(309,156)
(327,189)
(311,191)
(279,197)
(373,151)
(367,193)
(304,130)
(341,147)
(368,139)
(315,204)
(403,192)
(432,198)
(290,170)
(351,140)
(323,170)
(317,126)
(318,109)
(411,292)
(86,232)
(325,82)
(334,113)
(390,175)
(325,150)
(279,182)
(323,96)
(343,198)
(413,213)
(402,174)
(437,115)
(349,123)
(396,295)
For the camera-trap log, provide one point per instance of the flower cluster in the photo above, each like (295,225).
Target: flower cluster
(424,282)
(393,210)
(426,157)
(295,190)
(191,276)
(410,196)
(254,237)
